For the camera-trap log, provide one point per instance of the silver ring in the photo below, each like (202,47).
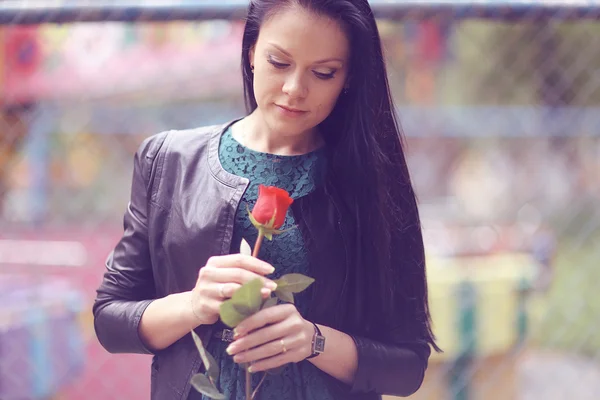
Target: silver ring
(283,348)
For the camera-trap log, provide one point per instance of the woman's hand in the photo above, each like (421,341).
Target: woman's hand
(272,337)
(220,278)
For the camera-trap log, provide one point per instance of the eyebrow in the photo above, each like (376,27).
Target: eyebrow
(316,62)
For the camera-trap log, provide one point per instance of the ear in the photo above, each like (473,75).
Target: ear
(251,54)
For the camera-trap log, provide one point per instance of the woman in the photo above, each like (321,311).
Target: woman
(320,125)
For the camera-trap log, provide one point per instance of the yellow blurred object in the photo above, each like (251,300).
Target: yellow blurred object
(54,36)
(494,378)
(496,279)
(84,164)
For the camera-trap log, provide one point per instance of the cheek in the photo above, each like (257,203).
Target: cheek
(325,102)
(266,88)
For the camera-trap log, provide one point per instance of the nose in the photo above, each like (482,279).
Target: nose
(294,86)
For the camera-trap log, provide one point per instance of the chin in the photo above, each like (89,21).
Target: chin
(285,126)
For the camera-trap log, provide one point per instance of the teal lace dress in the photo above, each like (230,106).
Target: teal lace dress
(299,175)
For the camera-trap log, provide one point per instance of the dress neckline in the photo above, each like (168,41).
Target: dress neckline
(272,156)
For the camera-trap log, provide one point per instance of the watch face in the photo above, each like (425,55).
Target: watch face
(227,335)
(319,344)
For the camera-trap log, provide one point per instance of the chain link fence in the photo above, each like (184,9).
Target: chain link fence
(499,100)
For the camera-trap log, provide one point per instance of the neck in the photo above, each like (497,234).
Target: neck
(255,134)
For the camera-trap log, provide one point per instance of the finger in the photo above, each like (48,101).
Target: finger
(226,290)
(276,361)
(270,349)
(236,275)
(248,263)
(268,316)
(259,337)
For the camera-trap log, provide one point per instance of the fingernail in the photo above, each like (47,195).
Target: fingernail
(236,334)
(271,285)
(270,269)
(250,369)
(229,349)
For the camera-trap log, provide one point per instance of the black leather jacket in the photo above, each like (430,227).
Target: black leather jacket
(179,188)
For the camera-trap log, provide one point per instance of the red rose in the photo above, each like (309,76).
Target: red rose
(272,204)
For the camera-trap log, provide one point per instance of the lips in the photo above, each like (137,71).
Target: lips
(290,109)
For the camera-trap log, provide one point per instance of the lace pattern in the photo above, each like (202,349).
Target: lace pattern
(299,175)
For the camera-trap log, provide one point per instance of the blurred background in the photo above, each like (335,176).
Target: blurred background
(500,104)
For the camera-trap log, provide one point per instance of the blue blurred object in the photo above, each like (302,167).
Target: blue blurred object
(41,346)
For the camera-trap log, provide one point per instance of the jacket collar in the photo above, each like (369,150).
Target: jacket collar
(214,163)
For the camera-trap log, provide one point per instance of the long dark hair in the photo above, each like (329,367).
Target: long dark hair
(369,180)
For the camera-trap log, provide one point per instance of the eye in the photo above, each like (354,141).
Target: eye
(325,76)
(277,64)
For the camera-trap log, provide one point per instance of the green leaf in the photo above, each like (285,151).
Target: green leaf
(285,295)
(202,384)
(271,223)
(229,315)
(242,309)
(279,232)
(245,248)
(270,302)
(210,364)
(253,220)
(248,299)
(294,283)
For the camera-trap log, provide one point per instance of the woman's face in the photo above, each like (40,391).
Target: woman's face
(300,67)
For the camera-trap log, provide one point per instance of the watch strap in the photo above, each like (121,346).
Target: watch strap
(318,342)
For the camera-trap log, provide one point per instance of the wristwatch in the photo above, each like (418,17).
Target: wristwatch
(318,343)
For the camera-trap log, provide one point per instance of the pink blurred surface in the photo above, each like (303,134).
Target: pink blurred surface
(103,374)
(99,60)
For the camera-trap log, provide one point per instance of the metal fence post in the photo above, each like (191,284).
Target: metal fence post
(522,320)
(461,370)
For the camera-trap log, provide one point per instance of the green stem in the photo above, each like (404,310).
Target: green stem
(259,240)
(248,385)
(258,243)
(259,385)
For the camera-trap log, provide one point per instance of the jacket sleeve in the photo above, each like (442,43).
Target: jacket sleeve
(392,369)
(127,287)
